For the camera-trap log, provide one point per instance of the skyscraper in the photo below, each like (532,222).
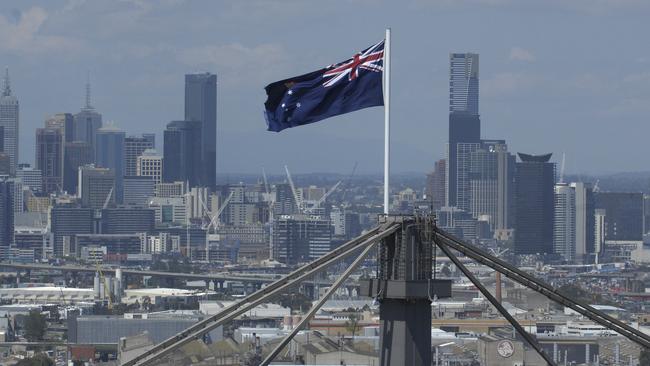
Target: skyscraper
(464,121)
(564,227)
(31,178)
(535,204)
(77,154)
(134,146)
(64,121)
(9,117)
(109,153)
(87,122)
(201,105)
(585,220)
(95,186)
(436,185)
(49,158)
(67,221)
(6,213)
(182,153)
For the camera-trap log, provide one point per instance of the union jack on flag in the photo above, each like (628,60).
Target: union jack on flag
(340,88)
(371,59)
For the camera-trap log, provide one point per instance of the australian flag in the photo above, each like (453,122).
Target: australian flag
(345,87)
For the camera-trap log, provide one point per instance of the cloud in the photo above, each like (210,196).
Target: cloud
(236,62)
(520,54)
(24,36)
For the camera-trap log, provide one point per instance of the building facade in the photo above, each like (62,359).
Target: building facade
(134,146)
(49,158)
(109,153)
(201,105)
(182,154)
(150,164)
(9,123)
(96,186)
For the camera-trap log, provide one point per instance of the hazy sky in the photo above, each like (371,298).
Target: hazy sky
(555,76)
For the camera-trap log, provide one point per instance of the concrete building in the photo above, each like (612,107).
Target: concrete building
(49,158)
(169,210)
(47,295)
(201,105)
(534,204)
(585,220)
(96,185)
(9,123)
(109,153)
(564,227)
(31,178)
(150,164)
(171,189)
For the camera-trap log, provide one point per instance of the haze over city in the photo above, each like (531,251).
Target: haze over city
(575,67)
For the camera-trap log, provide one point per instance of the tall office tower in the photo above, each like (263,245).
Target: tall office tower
(491,184)
(436,185)
(77,154)
(7,192)
(5,164)
(182,153)
(134,146)
(127,220)
(95,186)
(31,178)
(150,164)
(464,120)
(9,117)
(63,121)
(49,158)
(86,123)
(534,204)
(564,227)
(585,220)
(201,105)
(138,190)
(67,221)
(109,153)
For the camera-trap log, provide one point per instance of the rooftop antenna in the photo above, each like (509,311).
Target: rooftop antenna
(7,87)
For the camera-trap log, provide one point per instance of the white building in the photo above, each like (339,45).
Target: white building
(564,228)
(149,164)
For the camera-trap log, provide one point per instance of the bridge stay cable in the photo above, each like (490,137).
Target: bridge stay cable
(539,286)
(522,332)
(264,294)
(339,281)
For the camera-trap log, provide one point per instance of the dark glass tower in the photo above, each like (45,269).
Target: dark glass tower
(182,153)
(534,204)
(464,121)
(201,105)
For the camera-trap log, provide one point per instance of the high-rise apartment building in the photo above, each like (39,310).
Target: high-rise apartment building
(564,226)
(182,153)
(464,122)
(534,204)
(9,123)
(300,238)
(134,146)
(49,158)
(150,164)
(86,123)
(109,153)
(96,186)
(201,105)
(77,154)
(585,220)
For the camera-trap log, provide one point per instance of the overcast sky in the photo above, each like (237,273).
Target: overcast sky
(555,76)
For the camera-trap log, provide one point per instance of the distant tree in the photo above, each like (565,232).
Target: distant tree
(295,301)
(39,359)
(35,326)
(352,324)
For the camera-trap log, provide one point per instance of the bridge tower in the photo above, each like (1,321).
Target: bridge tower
(405,287)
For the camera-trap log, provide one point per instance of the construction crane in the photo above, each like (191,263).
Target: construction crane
(322,199)
(296,196)
(108,199)
(562,168)
(347,182)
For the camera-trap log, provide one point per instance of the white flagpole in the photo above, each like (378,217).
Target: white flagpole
(386,120)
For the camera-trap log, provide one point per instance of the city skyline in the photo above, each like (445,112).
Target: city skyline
(517,74)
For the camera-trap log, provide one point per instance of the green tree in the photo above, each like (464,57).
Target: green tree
(35,325)
(352,324)
(39,359)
